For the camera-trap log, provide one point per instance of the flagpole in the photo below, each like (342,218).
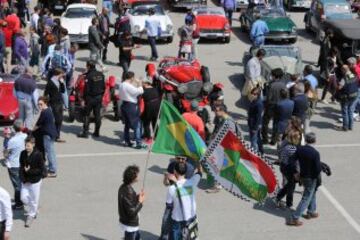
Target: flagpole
(152,143)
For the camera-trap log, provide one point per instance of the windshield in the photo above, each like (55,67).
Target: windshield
(209,11)
(142,10)
(283,51)
(80,13)
(332,8)
(272,12)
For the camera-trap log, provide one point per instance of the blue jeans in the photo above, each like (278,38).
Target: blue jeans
(50,153)
(308,200)
(108,4)
(26,112)
(358,102)
(16,182)
(347,111)
(176,230)
(255,140)
(137,132)
(259,41)
(166,224)
(132,235)
(152,42)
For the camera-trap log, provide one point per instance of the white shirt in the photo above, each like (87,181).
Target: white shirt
(129,92)
(253,69)
(35,20)
(5,209)
(15,147)
(187,193)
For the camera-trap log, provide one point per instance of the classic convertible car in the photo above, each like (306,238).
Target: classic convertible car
(9,111)
(138,14)
(280,25)
(212,23)
(77,20)
(286,57)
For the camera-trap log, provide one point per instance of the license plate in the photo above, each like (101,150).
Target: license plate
(59,7)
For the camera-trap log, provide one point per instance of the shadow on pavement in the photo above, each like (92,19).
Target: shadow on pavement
(269,207)
(91,237)
(241,35)
(157,169)
(238,82)
(148,235)
(322,125)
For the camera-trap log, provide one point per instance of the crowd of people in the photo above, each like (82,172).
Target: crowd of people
(48,54)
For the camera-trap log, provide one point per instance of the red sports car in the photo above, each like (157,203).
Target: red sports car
(212,23)
(181,81)
(9,108)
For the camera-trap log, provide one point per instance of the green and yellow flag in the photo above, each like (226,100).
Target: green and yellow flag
(175,136)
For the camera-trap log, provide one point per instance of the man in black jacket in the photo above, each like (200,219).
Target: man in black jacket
(54,89)
(309,176)
(104,27)
(130,204)
(93,94)
(95,43)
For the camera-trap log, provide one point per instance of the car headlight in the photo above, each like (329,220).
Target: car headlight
(169,27)
(182,88)
(136,28)
(208,86)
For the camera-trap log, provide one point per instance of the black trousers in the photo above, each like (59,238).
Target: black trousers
(152,42)
(229,14)
(125,64)
(147,120)
(288,188)
(2,229)
(92,104)
(58,111)
(268,115)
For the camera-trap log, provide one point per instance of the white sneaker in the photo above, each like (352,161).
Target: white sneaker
(324,101)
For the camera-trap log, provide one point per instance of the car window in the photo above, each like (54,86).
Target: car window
(272,12)
(142,10)
(283,51)
(80,13)
(333,8)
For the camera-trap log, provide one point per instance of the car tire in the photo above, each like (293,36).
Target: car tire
(71,112)
(205,73)
(293,40)
(170,39)
(227,40)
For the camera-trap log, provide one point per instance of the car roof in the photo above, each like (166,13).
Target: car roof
(333,1)
(208,9)
(81,5)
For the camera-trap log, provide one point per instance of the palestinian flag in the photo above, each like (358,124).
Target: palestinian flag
(176,136)
(237,169)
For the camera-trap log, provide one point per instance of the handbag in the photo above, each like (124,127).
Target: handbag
(191,230)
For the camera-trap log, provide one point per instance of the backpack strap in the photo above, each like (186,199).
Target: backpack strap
(180,201)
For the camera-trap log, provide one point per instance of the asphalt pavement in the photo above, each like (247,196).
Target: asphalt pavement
(81,203)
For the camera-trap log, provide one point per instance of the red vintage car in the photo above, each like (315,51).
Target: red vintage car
(76,98)
(9,108)
(212,23)
(181,81)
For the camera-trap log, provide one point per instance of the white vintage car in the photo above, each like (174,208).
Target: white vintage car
(140,12)
(77,20)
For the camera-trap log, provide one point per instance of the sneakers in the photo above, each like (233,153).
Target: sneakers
(52,175)
(294,222)
(309,216)
(214,189)
(29,221)
(141,146)
(83,135)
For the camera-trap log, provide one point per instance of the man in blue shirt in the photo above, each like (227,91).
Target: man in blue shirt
(153,30)
(15,146)
(308,76)
(258,31)
(229,7)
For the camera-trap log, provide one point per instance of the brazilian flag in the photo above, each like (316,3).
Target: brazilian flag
(175,136)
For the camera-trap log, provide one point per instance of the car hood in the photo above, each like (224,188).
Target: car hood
(288,64)
(184,74)
(76,25)
(6,95)
(211,22)
(279,24)
(335,16)
(140,21)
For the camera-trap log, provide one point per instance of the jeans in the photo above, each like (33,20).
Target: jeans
(137,134)
(50,153)
(65,98)
(152,42)
(347,111)
(255,140)
(229,13)
(95,56)
(308,200)
(125,64)
(132,235)
(16,182)
(26,112)
(259,41)
(358,102)
(30,195)
(108,4)
(176,230)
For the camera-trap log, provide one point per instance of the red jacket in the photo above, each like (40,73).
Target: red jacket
(13,22)
(8,33)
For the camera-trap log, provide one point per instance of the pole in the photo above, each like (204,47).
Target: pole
(150,147)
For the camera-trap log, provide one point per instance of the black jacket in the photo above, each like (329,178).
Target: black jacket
(128,206)
(54,92)
(95,84)
(36,163)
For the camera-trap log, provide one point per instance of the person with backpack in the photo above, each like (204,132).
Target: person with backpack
(348,93)
(55,60)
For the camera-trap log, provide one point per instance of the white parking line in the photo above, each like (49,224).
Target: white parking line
(341,209)
(107,154)
(338,145)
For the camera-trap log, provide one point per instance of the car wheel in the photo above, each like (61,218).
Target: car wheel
(205,73)
(227,40)
(170,39)
(71,112)
(293,40)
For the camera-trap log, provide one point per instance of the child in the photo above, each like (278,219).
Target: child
(7,135)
